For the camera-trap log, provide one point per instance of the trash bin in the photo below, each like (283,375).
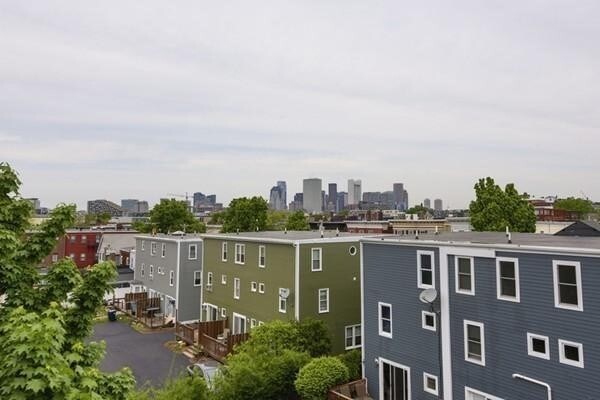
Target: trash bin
(112,314)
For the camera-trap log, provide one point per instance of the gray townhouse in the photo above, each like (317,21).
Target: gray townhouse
(170,267)
(481,316)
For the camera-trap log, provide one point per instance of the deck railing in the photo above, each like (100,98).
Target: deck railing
(349,391)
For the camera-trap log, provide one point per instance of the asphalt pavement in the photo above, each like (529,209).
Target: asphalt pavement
(150,361)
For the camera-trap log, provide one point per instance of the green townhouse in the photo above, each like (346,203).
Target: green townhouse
(254,277)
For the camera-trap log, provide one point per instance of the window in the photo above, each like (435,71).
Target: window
(236,288)
(507,279)
(253,286)
(385,319)
(54,258)
(163,250)
(352,250)
(316,259)
(143,245)
(72,256)
(142,270)
(152,248)
(428,320)
(474,342)
(172,278)
(209,279)
(83,239)
(472,394)
(282,301)
(430,383)
(323,300)
(567,285)
(151,274)
(224,251)
(72,237)
(262,252)
(353,337)
(465,275)
(261,287)
(223,279)
(223,312)
(240,253)
(82,257)
(570,353)
(537,346)
(425,267)
(253,323)
(193,252)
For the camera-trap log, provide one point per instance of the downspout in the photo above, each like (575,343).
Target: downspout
(528,379)
(297,281)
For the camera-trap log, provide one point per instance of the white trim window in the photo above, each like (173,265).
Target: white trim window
(253,323)
(142,270)
(223,312)
(570,353)
(223,279)
(323,300)
(82,257)
(537,346)
(198,278)
(171,278)
(163,250)
(209,280)
(473,394)
(193,252)
(353,337)
(474,337)
(253,286)
(385,319)
(224,251)
(143,244)
(567,285)
(428,320)
(464,275)
(316,259)
(262,256)
(282,301)
(240,253)
(151,273)
(152,248)
(261,287)
(237,286)
(507,279)
(425,269)
(72,256)
(430,383)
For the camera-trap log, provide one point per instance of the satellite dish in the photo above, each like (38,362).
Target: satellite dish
(428,296)
(284,293)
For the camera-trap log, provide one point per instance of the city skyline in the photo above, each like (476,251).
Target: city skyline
(156,99)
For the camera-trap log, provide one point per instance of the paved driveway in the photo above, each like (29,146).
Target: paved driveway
(145,354)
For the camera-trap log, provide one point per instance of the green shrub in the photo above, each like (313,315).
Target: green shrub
(318,376)
(353,361)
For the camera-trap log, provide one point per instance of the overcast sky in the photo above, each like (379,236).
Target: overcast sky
(129,99)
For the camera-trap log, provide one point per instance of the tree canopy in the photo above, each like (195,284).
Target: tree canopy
(495,209)
(578,205)
(171,215)
(45,319)
(245,215)
(297,221)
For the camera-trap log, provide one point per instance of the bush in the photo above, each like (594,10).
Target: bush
(184,387)
(318,376)
(353,361)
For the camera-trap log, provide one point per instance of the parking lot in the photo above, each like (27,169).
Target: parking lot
(145,354)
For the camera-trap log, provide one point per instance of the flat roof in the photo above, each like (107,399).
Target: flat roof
(164,236)
(289,236)
(498,239)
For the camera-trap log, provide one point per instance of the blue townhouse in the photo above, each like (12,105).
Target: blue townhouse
(481,316)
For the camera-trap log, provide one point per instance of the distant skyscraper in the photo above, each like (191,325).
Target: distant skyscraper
(311,191)
(437,205)
(297,204)
(131,205)
(342,200)
(354,191)
(405,201)
(398,195)
(211,199)
(104,206)
(332,198)
(278,196)
(427,203)
(143,206)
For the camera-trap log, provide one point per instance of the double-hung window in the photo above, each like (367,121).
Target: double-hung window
(236,288)
(152,248)
(567,285)
(197,278)
(171,278)
(209,280)
(143,244)
(240,253)
(323,300)
(193,252)
(151,274)
(163,250)
(507,279)
(316,259)
(142,270)
(474,342)
(282,300)
(262,254)
(425,269)
(253,286)
(224,251)
(353,337)
(385,319)
(223,279)
(465,275)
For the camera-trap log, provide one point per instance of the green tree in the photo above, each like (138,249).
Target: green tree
(352,359)
(45,320)
(87,220)
(277,220)
(578,205)
(184,387)
(169,216)
(245,215)
(495,209)
(297,221)
(318,376)
(420,210)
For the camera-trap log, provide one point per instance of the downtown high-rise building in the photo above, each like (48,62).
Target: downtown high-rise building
(354,191)
(332,197)
(427,203)
(400,196)
(312,195)
(278,196)
(438,205)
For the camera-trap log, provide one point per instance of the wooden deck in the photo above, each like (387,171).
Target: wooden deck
(356,390)
(212,336)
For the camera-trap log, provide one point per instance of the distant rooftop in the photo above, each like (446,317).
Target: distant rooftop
(288,236)
(172,236)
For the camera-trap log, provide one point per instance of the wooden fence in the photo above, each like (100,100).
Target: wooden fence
(219,349)
(143,308)
(349,391)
